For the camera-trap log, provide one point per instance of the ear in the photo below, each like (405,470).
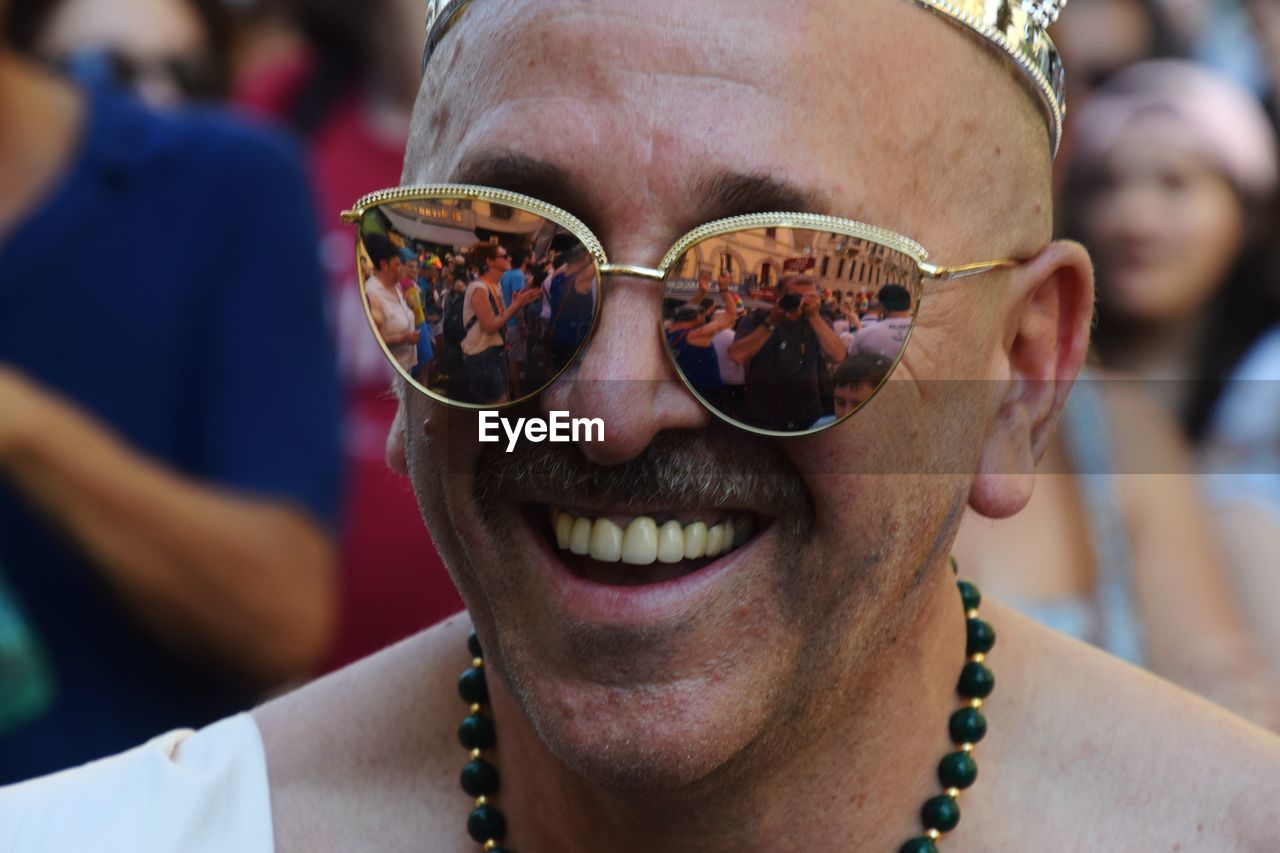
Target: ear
(1046,337)
(396,459)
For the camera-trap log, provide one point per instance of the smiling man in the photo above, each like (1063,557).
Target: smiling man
(699,635)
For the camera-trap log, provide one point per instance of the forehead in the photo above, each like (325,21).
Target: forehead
(868,109)
(1156,142)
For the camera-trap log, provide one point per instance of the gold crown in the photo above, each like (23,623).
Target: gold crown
(1014,27)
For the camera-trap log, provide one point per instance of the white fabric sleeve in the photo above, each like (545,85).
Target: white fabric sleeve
(182,792)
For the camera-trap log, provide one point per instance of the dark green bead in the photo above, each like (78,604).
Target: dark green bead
(969,595)
(476,732)
(472,687)
(955,570)
(479,779)
(941,813)
(918,845)
(968,726)
(976,681)
(980,637)
(473,645)
(486,822)
(957,770)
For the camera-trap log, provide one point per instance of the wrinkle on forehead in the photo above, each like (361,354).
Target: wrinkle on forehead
(889,110)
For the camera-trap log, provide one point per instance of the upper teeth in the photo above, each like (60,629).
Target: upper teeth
(643,541)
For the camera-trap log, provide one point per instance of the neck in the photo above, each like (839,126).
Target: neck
(492,276)
(40,118)
(869,743)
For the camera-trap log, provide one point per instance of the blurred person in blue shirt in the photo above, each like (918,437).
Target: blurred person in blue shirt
(169,452)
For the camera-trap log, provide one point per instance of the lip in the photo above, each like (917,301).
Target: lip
(586,601)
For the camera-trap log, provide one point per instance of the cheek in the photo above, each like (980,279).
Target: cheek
(440,453)
(1213,228)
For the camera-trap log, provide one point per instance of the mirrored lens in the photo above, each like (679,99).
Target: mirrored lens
(475,302)
(788,330)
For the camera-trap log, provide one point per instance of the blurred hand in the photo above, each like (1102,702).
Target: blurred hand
(810,303)
(529,294)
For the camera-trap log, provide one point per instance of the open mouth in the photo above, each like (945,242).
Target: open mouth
(638,550)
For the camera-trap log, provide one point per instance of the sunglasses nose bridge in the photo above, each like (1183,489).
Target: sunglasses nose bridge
(650,273)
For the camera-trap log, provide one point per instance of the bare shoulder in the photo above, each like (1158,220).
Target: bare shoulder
(1089,753)
(367,758)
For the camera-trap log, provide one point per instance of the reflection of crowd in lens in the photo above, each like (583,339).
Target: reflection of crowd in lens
(801,359)
(482,325)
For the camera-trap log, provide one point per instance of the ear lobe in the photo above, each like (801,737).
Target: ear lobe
(1046,337)
(396,459)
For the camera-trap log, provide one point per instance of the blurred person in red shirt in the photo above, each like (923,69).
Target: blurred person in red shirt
(348,95)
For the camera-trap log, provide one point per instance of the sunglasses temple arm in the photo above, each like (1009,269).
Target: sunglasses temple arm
(965,270)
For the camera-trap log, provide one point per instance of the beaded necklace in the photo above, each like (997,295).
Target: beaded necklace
(939,814)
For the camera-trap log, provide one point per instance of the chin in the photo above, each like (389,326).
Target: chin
(641,677)
(653,739)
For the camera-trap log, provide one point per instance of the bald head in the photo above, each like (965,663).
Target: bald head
(880,110)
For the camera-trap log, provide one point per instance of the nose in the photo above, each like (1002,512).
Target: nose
(624,377)
(1137,209)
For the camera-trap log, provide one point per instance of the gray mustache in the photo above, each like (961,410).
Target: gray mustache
(704,468)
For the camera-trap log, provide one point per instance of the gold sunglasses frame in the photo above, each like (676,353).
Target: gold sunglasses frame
(577,229)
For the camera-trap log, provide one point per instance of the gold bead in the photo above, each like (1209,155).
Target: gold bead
(489,845)
(952,792)
(979,657)
(482,801)
(478,663)
(975,704)
(933,834)
(966,747)
(971,614)
(475,709)
(475,755)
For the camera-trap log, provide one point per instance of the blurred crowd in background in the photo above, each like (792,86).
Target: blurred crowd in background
(1154,533)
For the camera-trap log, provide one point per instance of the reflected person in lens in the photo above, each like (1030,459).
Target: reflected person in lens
(485,315)
(392,316)
(785,349)
(888,336)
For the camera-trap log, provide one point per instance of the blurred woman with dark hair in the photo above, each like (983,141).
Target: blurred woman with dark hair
(1174,192)
(1171,188)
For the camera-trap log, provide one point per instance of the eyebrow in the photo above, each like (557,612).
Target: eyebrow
(728,193)
(718,196)
(520,173)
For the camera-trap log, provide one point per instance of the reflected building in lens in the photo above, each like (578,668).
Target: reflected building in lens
(761,257)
